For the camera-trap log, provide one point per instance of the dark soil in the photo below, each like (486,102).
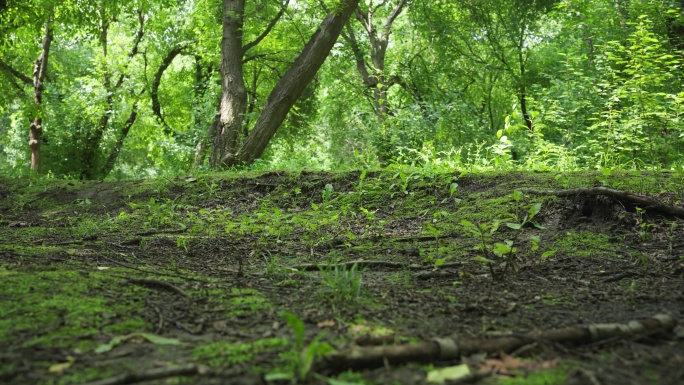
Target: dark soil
(211,263)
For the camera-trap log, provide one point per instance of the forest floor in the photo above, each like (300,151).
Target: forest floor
(228,278)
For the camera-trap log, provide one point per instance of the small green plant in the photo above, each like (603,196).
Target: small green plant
(506,250)
(212,189)
(342,284)
(327,193)
(644,227)
(306,355)
(162,213)
(670,237)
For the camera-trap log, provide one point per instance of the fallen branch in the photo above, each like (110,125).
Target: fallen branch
(363,264)
(157,284)
(450,349)
(151,374)
(647,203)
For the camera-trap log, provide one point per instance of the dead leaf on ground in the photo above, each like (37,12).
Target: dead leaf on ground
(60,368)
(507,365)
(326,324)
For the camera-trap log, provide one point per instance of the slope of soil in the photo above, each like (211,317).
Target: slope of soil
(205,279)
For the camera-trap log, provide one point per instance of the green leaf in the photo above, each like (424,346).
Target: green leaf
(159,340)
(440,262)
(514,226)
(548,253)
(483,260)
(104,348)
(270,377)
(517,195)
(534,210)
(500,249)
(297,326)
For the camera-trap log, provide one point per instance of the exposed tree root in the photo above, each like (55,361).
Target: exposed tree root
(157,284)
(449,349)
(364,264)
(646,203)
(150,375)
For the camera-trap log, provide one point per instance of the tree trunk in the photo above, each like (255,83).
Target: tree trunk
(39,71)
(287,90)
(233,102)
(378,42)
(523,90)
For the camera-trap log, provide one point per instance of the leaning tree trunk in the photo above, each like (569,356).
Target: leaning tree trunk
(291,86)
(39,71)
(233,102)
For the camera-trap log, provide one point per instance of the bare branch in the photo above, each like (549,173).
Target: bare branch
(134,50)
(350,37)
(8,68)
(154,92)
(373,9)
(268,29)
(365,22)
(387,25)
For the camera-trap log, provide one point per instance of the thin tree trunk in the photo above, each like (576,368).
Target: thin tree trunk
(201,149)
(39,71)
(523,91)
(291,85)
(113,155)
(154,92)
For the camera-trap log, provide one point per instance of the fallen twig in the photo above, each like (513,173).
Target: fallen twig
(155,283)
(151,374)
(449,349)
(371,263)
(645,202)
(129,266)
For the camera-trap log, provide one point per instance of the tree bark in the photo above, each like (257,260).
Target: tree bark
(290,87)
(233,102)
(39,71)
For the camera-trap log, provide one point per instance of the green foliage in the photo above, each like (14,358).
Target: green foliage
(506,250)
(342,286)
(600,83)
(307,353)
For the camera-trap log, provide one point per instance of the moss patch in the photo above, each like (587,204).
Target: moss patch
(222,354)
(57,308)
(585,244)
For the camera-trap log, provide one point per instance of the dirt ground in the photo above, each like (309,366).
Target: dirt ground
(228,278)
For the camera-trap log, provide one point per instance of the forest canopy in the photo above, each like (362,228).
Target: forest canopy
(99,89)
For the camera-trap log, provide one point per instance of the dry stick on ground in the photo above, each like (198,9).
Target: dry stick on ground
(129,266)
(449,349)
(645,202)
(157,284)
(363,264)
(151,374)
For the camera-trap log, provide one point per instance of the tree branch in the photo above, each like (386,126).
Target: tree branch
(387,25)
(350,37)
(268,29)
(8,68)
(360,16)
(134,50)
(113,155)
(154,92)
